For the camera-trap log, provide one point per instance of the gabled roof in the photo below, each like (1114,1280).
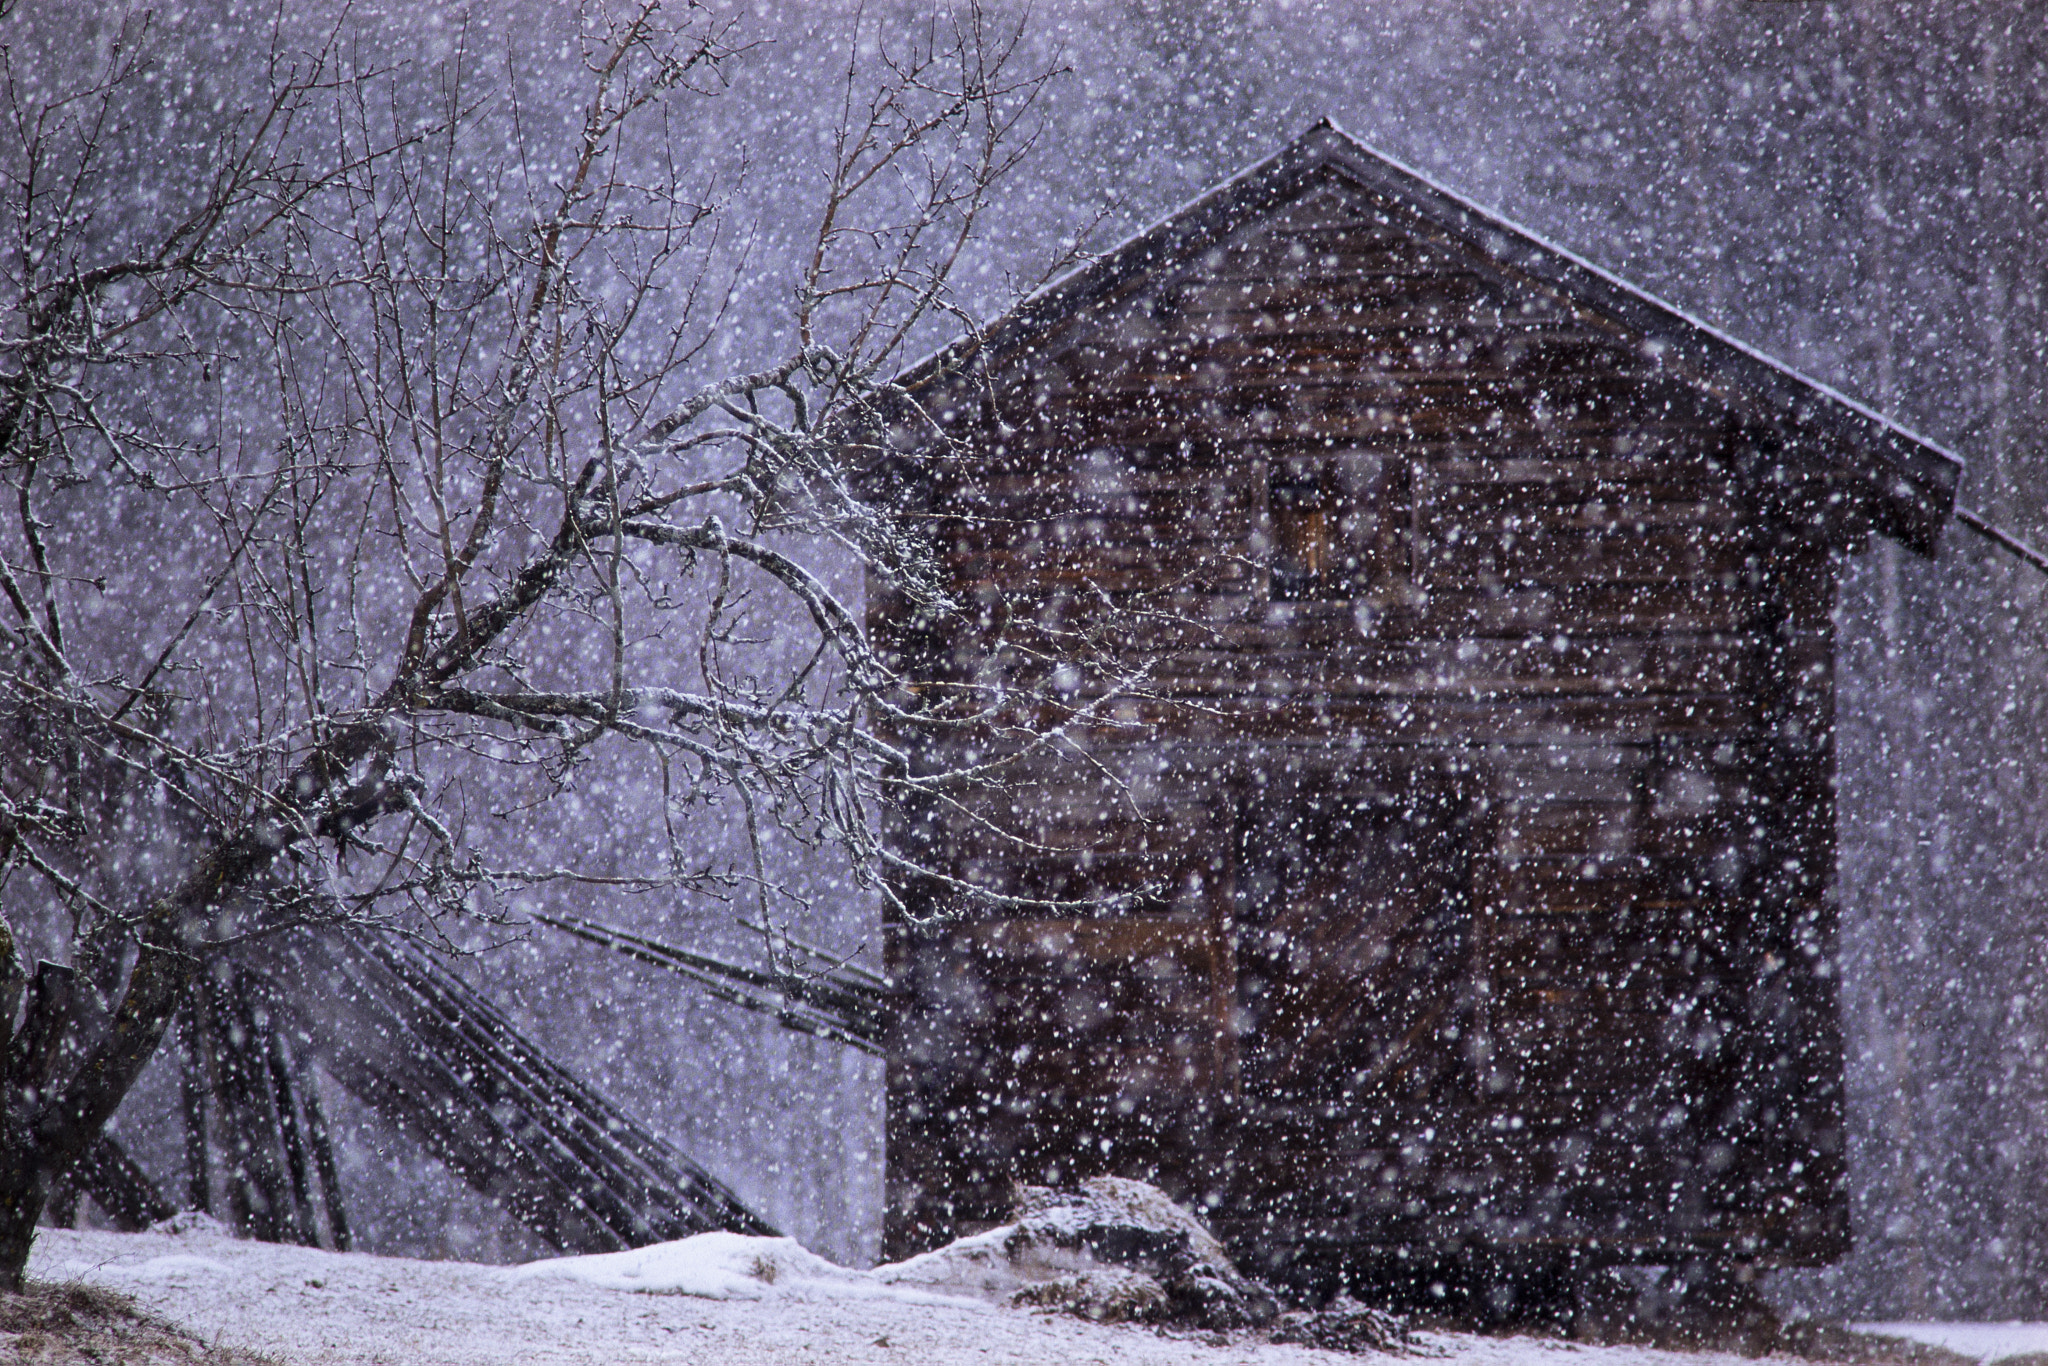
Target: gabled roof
(1908,481)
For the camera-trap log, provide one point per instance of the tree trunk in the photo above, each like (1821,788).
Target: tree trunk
(24,1190)
(48,1119)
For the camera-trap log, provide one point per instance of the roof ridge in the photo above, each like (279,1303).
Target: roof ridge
(1913,477)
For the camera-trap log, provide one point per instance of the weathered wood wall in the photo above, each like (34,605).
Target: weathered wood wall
(1482,786)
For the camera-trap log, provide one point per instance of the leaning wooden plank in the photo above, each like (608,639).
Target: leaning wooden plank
(323,1158)
(704,1202)
(824,997)
(259,1191)
(424,1100)
(120,1187)
(610,1185)
(369,1038)
(297,1158)
(410,1039)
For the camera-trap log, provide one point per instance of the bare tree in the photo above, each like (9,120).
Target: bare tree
(386,454)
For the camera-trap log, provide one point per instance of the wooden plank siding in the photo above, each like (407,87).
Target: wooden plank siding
(1482,858)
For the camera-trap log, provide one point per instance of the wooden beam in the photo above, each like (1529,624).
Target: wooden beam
(416,1043)
(120,1187)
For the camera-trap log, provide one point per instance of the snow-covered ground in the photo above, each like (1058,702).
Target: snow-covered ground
(773,1304)
(1986,1342)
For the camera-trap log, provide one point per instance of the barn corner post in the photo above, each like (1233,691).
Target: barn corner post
(1465,914)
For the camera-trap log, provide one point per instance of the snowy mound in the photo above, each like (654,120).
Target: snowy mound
(1113,1250)
(1988,1342)
(987,1266)
(1112,1202)
(730,1266)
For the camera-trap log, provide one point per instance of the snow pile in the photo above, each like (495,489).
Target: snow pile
(191,1224)
(730,1266)
(1987,1342)
(1113,1250)
(1114,1202)
(1013,1266)
(181,1267)
(986,1267)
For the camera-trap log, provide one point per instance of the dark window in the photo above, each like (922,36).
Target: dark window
(1302,544)
(1335,526)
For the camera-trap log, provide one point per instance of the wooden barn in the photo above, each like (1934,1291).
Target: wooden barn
(1475,811)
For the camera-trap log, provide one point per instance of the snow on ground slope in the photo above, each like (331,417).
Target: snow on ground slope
(1987,1342)
(308,1307)
(312,1308)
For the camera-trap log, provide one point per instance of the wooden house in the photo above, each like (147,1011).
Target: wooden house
(1476,806)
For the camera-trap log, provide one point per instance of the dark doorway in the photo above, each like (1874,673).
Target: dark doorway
(1354,948)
